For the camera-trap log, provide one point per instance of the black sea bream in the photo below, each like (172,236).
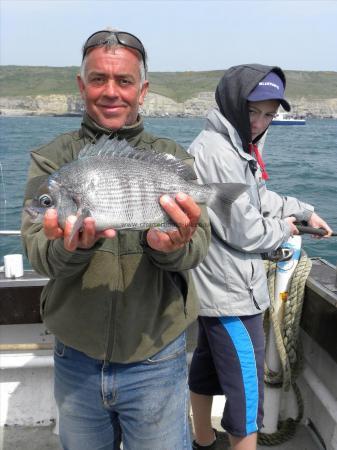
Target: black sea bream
(120,186)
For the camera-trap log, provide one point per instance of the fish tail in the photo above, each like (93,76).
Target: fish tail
(222,197)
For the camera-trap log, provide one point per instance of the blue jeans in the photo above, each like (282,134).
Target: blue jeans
(143,404)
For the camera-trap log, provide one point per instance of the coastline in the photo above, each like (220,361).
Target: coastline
(155,105)
(23,113)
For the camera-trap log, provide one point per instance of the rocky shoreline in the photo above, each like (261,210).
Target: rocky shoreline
(155,106)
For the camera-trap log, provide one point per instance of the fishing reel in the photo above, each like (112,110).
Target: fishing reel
(279,255)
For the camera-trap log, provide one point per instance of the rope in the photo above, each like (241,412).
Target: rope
(288,345)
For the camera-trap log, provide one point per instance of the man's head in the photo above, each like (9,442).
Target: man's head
(112,80)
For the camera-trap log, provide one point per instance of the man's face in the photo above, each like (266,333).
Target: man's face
(111,88)
(261,114)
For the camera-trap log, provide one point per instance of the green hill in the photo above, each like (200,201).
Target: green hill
(28,80)
(18,81)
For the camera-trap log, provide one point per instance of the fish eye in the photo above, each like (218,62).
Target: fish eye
(45,201)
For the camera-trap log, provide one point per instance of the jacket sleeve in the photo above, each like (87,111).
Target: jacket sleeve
(274,205)
(248,229)
(49,258)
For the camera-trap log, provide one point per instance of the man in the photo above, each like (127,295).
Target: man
(117,303)
(231,281)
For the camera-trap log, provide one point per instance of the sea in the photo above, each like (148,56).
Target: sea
(301,162)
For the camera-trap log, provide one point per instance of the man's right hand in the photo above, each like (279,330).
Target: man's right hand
(84,239)
(185,213)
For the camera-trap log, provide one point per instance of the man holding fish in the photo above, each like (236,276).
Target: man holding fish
(119,298)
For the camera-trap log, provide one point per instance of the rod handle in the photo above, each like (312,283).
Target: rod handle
(305,229)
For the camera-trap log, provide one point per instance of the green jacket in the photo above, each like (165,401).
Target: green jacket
(120,300)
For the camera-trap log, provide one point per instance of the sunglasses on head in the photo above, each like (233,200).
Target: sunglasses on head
(123,38)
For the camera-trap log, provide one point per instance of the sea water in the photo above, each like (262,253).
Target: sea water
(301,162)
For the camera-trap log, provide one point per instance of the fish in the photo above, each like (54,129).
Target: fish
(120,187)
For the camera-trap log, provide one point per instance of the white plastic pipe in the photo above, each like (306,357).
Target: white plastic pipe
(284,272)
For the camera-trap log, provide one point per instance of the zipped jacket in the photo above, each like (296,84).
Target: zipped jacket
(231,281)
(119,301)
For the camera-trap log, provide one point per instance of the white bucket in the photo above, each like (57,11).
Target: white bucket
(13,266)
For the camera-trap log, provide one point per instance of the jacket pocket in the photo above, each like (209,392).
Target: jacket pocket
(171,351)
(252,283)
(45,298)
(257,306)
(180,282)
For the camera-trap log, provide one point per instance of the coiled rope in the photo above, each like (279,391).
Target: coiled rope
(288,345)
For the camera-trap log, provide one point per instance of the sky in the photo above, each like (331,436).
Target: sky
(179,35)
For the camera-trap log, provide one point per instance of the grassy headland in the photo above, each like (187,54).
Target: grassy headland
(19,81)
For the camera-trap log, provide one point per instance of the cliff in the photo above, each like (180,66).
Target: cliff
(154,105)
(43,90)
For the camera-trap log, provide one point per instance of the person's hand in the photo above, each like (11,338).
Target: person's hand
(316,221)
(185,213)
(293,229)
(85,238)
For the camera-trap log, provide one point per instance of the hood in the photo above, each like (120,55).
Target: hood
(233,90)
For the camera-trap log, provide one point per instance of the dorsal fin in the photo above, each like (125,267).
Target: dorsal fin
(114,148)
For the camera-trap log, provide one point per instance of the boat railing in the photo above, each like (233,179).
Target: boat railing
(10,233)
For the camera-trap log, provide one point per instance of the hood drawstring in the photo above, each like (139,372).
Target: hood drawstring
(253,149)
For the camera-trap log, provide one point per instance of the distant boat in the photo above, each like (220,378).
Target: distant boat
(287,119)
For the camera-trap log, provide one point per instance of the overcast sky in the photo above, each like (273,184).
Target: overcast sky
(178,35)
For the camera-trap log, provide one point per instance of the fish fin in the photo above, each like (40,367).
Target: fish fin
(222,197)
(96,149)
(114,148)
(35,214)
(165,228)
(80,216)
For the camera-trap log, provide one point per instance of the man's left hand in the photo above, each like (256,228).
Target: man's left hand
(185,213)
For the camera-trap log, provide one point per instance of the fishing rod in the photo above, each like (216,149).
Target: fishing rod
(305,229)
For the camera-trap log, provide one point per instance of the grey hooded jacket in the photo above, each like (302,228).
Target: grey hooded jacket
(231,281)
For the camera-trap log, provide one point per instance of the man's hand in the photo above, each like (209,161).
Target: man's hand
(85,238)
(317,222)
(185,213)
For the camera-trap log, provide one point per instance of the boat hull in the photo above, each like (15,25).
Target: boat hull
(288,122)
(26,359)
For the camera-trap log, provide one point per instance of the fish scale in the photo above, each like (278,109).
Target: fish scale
(120,187)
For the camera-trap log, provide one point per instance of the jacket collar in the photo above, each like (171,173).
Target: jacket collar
(217,122)
(91,130)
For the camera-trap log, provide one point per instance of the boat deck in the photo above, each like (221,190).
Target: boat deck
(43,438)
(20,326)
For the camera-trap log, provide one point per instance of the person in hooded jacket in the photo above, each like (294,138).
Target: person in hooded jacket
(231,282)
